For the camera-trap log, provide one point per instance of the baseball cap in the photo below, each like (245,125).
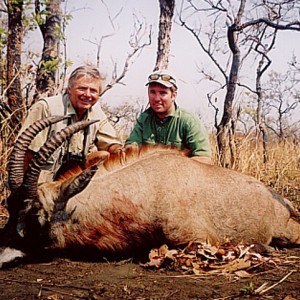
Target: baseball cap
(162,77)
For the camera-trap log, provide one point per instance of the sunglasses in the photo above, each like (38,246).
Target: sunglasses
(164,77)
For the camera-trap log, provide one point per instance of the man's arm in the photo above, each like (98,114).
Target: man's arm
(107,138)
(197,140)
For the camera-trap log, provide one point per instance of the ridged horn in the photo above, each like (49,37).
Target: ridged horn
(16,160)
(34,169)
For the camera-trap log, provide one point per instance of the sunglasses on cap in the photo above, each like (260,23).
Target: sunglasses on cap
(164,77)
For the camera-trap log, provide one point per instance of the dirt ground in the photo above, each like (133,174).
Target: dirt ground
(62,278)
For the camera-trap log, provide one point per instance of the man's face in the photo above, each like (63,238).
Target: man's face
(161,99)
(84,93)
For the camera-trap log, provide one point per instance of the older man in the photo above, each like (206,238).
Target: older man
(165,123)
(80,102)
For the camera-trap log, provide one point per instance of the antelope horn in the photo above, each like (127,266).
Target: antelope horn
(16,160)
(34,169)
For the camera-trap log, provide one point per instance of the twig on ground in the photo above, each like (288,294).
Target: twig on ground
(61,292)
(44,285)
(261,290)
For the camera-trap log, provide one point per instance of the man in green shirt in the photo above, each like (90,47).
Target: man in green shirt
(165,123)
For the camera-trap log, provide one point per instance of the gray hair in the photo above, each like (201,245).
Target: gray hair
(86,70)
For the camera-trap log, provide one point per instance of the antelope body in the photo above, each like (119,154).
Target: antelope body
(156,197)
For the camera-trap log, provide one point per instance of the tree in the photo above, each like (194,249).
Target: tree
(164,34)
(3,39)
(282,98)
(137,44)
(123,116)
(46,77)
(248,23)
(263,65)
(14,49)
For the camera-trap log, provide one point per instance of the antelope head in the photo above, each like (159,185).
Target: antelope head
(25,203)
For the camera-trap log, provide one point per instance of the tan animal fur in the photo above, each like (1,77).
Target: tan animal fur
(170,198)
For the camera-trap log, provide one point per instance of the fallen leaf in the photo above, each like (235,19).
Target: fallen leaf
(289,298)
(153,253)
(243,274)
(155,262)
(238,264)
(163,250)
(171,254)
(52,297)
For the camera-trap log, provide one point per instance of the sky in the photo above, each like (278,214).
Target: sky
(90,21)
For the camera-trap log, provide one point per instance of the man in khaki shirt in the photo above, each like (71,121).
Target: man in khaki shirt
(80,102)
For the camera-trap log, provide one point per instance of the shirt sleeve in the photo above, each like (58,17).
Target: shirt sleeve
(106,135)
(197,138)
(38,111)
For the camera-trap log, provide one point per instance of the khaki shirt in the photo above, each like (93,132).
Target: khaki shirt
(99,139)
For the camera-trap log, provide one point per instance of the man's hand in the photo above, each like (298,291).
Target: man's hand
(95,157)
(115,148)
(130,148)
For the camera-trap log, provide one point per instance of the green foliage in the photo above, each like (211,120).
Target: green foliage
(49,66)
(3,37)
(67,18)
(248,289)
(58,32)
(18,2)
(41,18)
(29,22)
(250,111)
(68,63)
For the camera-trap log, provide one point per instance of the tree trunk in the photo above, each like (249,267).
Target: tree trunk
(14,47)
(259,114)
(2,72)
(222,128)
(46,79)
(164,35)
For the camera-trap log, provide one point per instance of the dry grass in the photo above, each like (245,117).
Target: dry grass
(4,191)
(282,170)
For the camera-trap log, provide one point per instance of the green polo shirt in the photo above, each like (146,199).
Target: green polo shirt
(181,129)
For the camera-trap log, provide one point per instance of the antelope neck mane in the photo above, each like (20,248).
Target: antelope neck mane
(121,159)
(124,159)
